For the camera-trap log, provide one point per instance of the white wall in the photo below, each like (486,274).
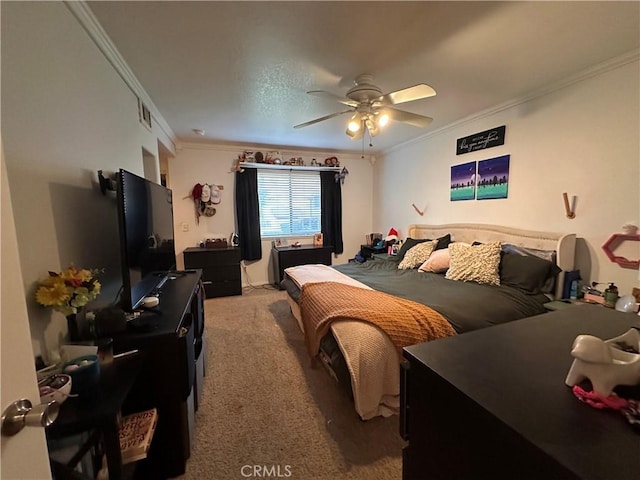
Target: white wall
(66,113)
(582,139)
(212,164)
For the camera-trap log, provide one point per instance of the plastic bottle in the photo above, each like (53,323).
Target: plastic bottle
(611,296)
(573,295)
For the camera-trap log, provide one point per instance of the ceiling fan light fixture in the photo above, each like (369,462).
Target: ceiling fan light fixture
(383,120)
(370,124)
(354,125)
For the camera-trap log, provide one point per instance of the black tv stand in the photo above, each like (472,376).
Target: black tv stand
(171,378)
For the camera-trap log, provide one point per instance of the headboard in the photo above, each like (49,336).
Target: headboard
(564,244)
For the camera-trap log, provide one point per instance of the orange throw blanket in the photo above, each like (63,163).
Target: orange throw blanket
(405,322)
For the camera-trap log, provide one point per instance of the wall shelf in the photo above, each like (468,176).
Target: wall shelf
(615,241)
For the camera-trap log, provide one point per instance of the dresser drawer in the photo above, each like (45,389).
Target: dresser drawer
(221,273)
(201,258)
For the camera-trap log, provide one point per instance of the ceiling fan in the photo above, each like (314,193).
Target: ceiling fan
(372,109)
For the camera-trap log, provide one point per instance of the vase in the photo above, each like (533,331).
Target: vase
(72,325)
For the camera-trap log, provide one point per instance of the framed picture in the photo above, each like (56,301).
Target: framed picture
(493,178)
(317,240)
(463,181)
(394,249)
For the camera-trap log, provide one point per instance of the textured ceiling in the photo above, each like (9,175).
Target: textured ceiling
(240,70)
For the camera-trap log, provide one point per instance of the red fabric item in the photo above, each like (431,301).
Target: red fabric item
(598,401)
(393,231)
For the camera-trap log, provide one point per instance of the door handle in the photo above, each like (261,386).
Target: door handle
(22,412)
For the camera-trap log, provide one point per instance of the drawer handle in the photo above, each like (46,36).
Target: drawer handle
(207,282)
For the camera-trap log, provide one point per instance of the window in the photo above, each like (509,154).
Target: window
(289,202)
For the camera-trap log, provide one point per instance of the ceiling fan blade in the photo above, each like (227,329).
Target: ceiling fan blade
(326,117)
(333,96)
(407,117)
(417,92)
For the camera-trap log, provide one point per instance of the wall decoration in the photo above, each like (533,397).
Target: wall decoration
(493,178)
(481,140)
(463,181)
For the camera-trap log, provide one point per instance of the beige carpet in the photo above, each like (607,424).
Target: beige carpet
(265,410)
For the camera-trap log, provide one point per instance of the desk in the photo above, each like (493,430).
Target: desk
(492,404)
(100,409)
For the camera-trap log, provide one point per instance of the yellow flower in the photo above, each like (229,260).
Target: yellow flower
(75,276)
(53,293)
(68,290)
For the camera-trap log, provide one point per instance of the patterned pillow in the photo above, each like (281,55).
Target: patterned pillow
(476,263)
(417,254)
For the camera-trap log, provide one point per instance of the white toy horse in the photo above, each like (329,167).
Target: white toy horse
(606,363)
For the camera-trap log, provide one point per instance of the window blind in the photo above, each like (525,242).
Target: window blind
(289,202)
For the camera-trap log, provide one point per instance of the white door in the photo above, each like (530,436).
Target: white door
(24,455)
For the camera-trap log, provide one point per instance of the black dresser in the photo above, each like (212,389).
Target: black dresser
(285,257)
(492,404)
(220,269)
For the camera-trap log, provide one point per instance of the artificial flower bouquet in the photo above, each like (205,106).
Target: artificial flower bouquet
(69,290)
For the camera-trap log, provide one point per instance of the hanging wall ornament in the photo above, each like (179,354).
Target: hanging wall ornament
(342,175)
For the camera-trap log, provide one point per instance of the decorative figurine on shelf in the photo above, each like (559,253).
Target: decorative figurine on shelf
(332,162)
(236,167)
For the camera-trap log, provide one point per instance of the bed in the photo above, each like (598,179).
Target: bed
(363,354)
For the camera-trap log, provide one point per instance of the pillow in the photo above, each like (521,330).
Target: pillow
(408,244)
(443,242)
(438,262)
(418,254)
(478,263)
(549,255)
(529,273)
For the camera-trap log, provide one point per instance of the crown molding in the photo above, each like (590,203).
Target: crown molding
(88,21)
(590,72)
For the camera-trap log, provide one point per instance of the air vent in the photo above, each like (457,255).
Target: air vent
(144,114)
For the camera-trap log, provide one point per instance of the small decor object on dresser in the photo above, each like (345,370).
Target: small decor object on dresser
(606,363)
(318,240)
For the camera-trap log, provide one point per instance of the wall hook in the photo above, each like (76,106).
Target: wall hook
(420,212)
(570,210)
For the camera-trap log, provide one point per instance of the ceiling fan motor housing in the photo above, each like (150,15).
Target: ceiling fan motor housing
(364,90)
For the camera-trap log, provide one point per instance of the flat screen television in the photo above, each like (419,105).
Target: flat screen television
(145,215)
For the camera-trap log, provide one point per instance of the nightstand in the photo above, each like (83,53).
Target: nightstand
(367,251)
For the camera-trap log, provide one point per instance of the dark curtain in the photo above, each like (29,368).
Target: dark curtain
(331,203)
(248,214)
